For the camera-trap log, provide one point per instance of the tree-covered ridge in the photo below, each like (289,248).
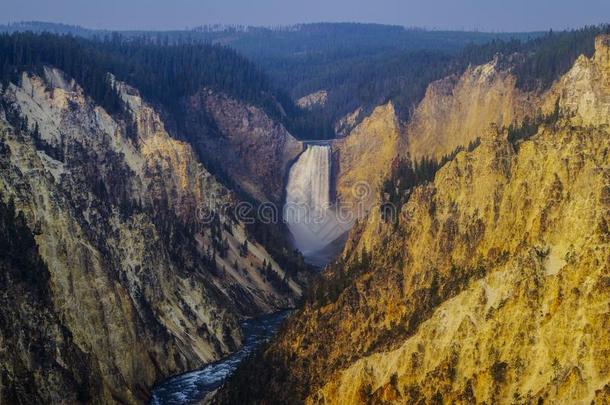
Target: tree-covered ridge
(165,73)
(537,63)
(364,66)
(371,81)
(280,41)
(76,57)
(360,64)
(368,79)
(168,72)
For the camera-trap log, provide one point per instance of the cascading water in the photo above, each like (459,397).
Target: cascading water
(308,211)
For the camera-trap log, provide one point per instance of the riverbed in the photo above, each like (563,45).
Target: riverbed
(192,387)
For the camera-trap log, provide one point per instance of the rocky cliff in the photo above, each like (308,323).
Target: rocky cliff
(483,282)
(313,100)
(583,91)
(39,362)
(254,151)
(458,109)
(362,159)
(147,270)
(454,112)
(493,286)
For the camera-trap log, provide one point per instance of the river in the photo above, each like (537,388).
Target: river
(192,387)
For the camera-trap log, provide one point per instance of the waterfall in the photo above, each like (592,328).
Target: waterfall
(308,211)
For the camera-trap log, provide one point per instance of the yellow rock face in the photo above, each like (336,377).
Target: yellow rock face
(495,285)
(454,112)
(534,325)
(457,110)
(363,158)
(585,89)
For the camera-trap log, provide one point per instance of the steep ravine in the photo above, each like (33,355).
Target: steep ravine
(147,273)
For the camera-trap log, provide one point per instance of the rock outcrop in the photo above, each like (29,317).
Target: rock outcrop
(348,122)
(147,270)
(584,89)
(317,99)
(458,109)
(362,159)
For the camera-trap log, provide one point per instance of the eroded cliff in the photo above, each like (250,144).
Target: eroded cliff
(454,112)
(363,158)
(148,273)
(458,109)
(486,278)
(254,151)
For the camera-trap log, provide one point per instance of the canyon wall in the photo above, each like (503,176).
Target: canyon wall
(362,159)
(454,112)
(253,150)
(458,109)
(147,273)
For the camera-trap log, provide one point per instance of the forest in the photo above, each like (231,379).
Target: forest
(402,76)
(360,65)
(166,73)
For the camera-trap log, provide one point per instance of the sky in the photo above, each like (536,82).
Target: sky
(482,15)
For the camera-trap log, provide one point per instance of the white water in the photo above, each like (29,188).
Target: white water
(308,211)
(192,387)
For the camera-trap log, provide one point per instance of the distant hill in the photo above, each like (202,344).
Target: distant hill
(39,26)
(359,66)
(337,56)
(284,50)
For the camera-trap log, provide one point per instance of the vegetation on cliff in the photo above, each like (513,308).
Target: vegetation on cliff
(39,362)
(166,72)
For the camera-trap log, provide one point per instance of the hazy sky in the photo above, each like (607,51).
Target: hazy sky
(488,15)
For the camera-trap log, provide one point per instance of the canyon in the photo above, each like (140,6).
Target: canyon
(131,271)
